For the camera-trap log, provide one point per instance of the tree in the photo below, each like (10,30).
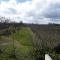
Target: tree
(21,22)
(4,20)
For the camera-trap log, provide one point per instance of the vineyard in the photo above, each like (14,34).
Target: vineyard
(47,40)
(29,41)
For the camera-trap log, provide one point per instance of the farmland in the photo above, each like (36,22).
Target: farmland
(29,41)
(47,40)
(16,46)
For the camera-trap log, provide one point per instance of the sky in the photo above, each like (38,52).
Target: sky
(31,11)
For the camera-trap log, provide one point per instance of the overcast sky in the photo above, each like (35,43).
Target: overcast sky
(31,11)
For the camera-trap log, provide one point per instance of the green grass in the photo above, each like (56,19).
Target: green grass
(22,43)
(24,36)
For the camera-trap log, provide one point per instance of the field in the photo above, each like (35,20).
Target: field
(29,41)
(17,46)
(47,40)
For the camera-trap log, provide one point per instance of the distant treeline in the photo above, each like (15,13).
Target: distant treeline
(6,25)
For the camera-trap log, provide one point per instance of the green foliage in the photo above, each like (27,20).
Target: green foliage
(24,36)
(28,44)
(22,44)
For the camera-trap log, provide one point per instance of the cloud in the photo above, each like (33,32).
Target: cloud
(36,11)
(52,11)
(22,1)
(4,1)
